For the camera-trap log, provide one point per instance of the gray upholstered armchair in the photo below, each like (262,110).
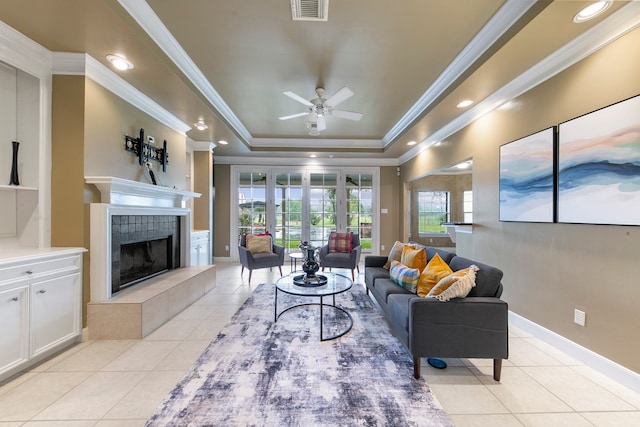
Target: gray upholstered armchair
(254,261)
(348,260)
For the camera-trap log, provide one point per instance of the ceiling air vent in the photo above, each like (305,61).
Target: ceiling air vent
(309,10)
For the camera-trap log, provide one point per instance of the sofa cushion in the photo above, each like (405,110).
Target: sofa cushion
(340,242)
(455,285)
(259,243)
(444,254)
(386,287)
(435,270)
(404,276)
(371,274)
(487,277)
(414,257)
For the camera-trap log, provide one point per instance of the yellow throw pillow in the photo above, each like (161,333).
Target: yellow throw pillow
(259,244)
(414,257)
(435,270)
(395,254)
(455,285)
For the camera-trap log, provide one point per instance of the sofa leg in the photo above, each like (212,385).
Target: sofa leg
(250,271)
(242,270)
(416,367)
(353,277)
(497,369)
(280,267)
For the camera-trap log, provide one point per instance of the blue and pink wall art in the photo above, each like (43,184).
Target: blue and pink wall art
(599,166)
(527,178)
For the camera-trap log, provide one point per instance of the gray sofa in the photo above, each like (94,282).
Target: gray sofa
(471,327)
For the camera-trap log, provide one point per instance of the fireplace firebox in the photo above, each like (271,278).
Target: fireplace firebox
(143,246)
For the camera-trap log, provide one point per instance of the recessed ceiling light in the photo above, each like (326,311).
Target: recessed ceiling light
(120,62)
(312,156)
(222,142)
(465,103)
(411,143)
(200,125)
(591,11)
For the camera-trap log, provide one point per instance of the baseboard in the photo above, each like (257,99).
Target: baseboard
(222,259)
(607,367)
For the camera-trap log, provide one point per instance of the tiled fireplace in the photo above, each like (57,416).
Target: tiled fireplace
(148,220)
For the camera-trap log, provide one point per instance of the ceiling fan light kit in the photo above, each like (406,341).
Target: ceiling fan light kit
(320,107)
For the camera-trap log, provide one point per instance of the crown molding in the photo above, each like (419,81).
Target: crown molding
(313,143)
(66,63)
(21,52)
(142,13)
(504,19)
(202,145)
(615,26)
(280,160)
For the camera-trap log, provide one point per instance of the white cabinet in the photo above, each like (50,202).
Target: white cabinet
(14,318)
(200,248)
(40,305)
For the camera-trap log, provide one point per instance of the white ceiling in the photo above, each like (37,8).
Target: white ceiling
(408,62)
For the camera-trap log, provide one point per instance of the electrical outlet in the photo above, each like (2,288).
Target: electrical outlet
(226,247)
(382,248)
(579,317)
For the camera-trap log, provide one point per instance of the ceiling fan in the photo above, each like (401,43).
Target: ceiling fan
(319,108)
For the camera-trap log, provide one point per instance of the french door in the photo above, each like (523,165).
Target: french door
(305,205)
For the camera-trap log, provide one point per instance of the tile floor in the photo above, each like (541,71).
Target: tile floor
(120,383)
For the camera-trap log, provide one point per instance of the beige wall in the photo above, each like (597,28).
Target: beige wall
(221,211)
(202,183)
(88,128)
(551,269)
(390,223)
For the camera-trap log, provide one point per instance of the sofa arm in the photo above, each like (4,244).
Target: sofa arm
(461,327)
(278,250)
(375,261)
(246,257)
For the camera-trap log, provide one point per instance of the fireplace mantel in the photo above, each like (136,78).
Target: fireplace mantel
(118,191)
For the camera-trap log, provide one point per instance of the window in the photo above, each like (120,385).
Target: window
(467,206)
(433,209)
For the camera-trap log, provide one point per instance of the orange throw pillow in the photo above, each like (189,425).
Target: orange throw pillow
(414,257)
(435,270)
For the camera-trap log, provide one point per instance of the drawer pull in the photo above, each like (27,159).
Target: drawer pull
(29,272)
(14,299)
(42,291)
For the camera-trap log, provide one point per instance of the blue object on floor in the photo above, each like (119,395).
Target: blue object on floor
(437,363)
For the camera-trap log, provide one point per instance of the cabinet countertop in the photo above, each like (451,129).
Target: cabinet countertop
(8,254)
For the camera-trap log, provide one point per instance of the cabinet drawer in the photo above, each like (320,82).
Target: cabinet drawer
(36,269)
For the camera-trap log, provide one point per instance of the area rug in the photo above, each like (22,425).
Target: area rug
(258,372)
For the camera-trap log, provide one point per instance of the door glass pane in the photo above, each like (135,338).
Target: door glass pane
(322,206)
(288,200)
(252,203)
(359,190)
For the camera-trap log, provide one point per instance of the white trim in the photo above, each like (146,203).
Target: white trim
(618,24)
(281,158)
(600,363)
(153,26)
(66,63)
(201,145)
(504,19)
(21,52)
(118,191)
(312,143)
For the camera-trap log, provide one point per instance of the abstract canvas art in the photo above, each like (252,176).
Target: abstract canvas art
(527,178)
(599,166)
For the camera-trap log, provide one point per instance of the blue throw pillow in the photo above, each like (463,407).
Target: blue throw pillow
(404,276)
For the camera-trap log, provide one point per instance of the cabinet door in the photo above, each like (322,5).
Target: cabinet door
(14,318)
(55,314)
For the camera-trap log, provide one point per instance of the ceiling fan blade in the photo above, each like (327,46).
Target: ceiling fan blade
(292,116)
(298,98)
(322,124)
(341,95)
(349,115)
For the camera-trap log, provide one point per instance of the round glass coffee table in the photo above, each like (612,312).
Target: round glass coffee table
(336,284)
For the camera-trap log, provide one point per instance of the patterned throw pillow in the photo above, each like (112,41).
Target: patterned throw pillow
(455,285)
(395,254)
(435,270)
(414,257)
(259,243)
(404,276)
(340,242)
